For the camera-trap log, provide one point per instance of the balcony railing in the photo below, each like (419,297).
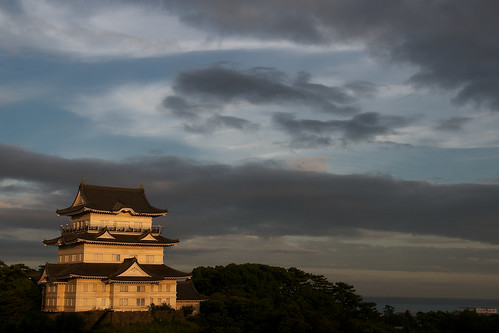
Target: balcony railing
(155,229)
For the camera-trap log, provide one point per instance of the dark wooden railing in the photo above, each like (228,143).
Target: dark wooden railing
(155,229)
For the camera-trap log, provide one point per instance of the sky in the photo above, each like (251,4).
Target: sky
(358,140)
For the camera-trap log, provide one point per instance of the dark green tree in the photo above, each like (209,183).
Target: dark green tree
(20,300)
(261,298)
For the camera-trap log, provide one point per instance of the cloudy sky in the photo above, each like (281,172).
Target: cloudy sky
(357,140)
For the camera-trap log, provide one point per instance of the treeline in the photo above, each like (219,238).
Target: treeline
(439,321)
(261,298)
(244,298)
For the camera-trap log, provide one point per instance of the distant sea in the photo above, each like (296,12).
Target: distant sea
(420,304)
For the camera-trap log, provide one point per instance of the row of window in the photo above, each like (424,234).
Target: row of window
(71,302)
(125,288)
(70,258)
(142,301)
(103,301)
(93,287)
(98,257)
(71,287)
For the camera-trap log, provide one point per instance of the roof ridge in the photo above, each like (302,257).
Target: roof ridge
(139,189)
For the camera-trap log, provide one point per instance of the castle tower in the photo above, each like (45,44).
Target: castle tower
(110,255)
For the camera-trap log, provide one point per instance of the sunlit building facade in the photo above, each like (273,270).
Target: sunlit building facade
(110,256)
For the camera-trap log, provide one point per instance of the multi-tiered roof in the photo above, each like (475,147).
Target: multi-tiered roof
(111,239)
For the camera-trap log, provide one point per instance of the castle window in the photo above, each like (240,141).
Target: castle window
(149,258)
(95,286)
(103,287)
(123,288)
(123,301)
(159,287)
(98,256)
(141,288)
(141,301)
(116,257)
(85,287)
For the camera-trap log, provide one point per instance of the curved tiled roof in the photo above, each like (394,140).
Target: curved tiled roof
(108,271)
(106,199)
(93,237)
(187,292)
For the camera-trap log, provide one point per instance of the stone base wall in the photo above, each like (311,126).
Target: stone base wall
(95,318)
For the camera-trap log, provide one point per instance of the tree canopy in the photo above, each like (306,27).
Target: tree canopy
(260,298)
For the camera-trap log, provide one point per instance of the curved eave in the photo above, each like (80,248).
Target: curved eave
(134,281)
(177,277)
(72,276)
(118,243)
(52,242)
(77,211)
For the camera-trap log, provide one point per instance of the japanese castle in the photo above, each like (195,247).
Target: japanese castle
(111,256)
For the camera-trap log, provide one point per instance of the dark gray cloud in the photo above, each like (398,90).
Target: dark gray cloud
(362,127)
(199,124)
(452,123)
(451,43)
(180,107)
(218,85)
(263,199)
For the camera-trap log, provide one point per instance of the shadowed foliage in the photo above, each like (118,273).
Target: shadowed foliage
(261,298)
